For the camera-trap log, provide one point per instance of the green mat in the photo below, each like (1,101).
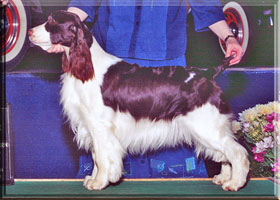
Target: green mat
(33,189)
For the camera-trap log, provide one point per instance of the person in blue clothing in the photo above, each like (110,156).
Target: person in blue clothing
(153,33)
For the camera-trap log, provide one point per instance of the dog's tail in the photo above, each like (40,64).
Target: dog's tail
(214,72)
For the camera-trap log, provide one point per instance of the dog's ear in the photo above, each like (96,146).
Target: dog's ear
(87,34)
(86,31)
(65,63)
(51,20)
(79,64)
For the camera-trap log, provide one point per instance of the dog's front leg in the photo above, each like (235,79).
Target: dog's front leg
(107,156)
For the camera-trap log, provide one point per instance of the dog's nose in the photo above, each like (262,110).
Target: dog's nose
(30,32)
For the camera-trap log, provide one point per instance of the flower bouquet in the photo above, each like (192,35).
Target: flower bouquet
(258,129)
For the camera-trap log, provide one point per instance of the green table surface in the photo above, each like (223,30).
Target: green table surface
(138,189)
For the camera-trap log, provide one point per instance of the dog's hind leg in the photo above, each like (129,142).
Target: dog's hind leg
(235,165)
(211,131)
(224,176)
(237,156)
(217,156)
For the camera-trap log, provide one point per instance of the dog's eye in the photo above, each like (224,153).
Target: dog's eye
(73,28)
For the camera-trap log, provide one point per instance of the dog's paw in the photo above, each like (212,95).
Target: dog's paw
(220,179)
(232,185)
(95,184)
(115,178)
(87,178)
(115,173)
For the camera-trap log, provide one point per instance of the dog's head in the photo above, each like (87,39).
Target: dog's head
(66,28)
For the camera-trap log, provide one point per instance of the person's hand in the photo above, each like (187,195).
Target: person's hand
(4,2)
(55,48)
(234,48)
(222,30)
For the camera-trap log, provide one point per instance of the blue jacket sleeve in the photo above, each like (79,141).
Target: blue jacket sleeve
(205,13)
(88,7)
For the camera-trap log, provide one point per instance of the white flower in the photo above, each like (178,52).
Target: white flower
(268,142)
(260,147)
(246,127)
(265,144)
(255,123)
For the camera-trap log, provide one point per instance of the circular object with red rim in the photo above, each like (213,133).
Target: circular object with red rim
(238,23)
(14,24)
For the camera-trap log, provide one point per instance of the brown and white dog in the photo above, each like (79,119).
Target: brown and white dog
(115,107)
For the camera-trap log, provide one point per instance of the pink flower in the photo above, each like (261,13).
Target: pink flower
(276,116)
(254,149)
(275,169)
(269,128)
(276,166)
(270,117)
(258,156)
(273,116)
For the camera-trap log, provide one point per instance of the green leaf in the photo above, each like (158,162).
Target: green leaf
(248,138)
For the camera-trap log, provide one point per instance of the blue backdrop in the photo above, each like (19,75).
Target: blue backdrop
(44,146)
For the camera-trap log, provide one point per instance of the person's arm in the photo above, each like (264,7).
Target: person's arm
(57,48)
(209,15)
(83,15)
(222,30)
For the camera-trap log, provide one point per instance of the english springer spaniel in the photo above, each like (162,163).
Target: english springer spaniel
(115,108)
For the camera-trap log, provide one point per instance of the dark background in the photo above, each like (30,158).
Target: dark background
(203,49)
